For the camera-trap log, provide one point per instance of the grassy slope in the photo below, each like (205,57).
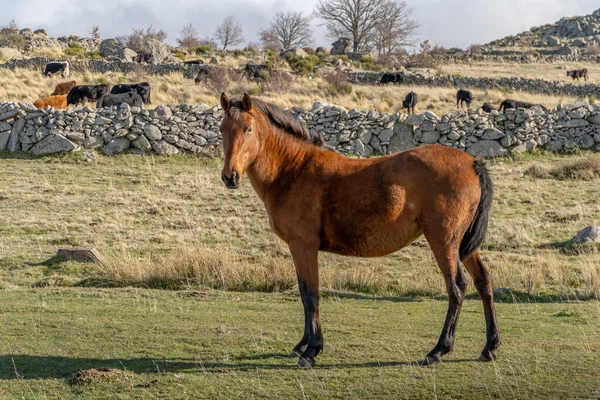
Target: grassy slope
(232,345)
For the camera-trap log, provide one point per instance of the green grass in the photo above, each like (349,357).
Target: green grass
(234,345)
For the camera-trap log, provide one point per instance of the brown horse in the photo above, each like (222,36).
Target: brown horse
(318,200)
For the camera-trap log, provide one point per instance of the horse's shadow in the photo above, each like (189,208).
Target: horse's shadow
(19,366)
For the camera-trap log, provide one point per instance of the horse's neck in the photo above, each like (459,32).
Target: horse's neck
(281,157)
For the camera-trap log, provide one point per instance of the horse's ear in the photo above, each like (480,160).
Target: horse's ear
(247,102)
(225,103)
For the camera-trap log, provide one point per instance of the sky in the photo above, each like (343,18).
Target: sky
(449,23)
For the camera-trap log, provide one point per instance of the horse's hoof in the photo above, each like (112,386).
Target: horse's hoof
(431,359)
(297,352)
(487,356)
(305,362)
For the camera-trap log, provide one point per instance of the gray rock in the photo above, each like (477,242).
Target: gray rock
(115,146)
(427,126)
(555,146)
(487,148)
(52,144)
(341,46)
(430,137)
(594,119)
(578,113)
(163,113)
(591,234)
(152,132)
(415,119)
(585,142)
(576,123)
(93,142)
(13,142)
(76,137)
(142,143)
(527,146)
(402,139)
(163,148)
(4,136)
(385,135)
(492,133)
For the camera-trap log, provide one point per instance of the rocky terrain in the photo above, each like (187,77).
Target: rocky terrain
(170,130)
(578,32)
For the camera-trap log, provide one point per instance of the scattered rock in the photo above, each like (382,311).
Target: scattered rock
(591,234)
(80,255)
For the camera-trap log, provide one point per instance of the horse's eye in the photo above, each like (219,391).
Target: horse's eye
(248,130)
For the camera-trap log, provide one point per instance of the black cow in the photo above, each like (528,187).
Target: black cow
(487,107)
(410,102)
(256,72)
(203,73)
(57,67)
(510,103)
(144,58)
(110,100)
(194,62)
(463,96)
(391,77)
(578,73)
(143,89)
(83,93)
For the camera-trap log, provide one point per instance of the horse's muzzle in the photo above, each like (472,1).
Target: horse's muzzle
(231,183)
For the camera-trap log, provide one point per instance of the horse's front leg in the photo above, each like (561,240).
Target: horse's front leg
(305,258)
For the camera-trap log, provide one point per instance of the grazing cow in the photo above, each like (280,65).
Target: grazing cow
(391,77)
(487,107)
(83,93)
(463,96)
(144,58)
(203,73)
(194,62)
(410,102)
(110,100)
(57,67)
(255,72)
(58,102)
(64,88)
(510,103)
(143,89)
(578,73)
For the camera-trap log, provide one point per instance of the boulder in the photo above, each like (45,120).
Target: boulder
(152,132)
(13,141)
(80,255)
(341,46)
(591,234)
(415,119)
(41,32)
(163,148)
(492,133)
(53,144)
(112,48)
(4,140)
(487,148)
(115,146)
(594,119)
(158,49)
(8,52)
(297,51)
(402,139)
(553,41)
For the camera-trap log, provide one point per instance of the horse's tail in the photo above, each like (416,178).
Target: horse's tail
(476,232)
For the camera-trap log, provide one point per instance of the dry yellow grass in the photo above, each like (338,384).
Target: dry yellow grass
(171,223)
(29,85)
(546,71)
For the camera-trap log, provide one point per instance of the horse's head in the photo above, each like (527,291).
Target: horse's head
(240,140)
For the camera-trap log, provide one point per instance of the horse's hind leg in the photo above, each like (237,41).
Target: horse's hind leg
(447,258)
(483,284)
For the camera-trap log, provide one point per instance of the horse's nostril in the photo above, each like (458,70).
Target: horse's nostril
(234,177)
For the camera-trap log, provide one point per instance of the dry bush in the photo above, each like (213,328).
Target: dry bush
(593,50)
(475,49)
(139,73)
(581,169)
(278,82)
(221,79)
(338,80)
(423,58)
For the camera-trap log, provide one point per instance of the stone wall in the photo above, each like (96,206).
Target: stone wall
(168,130)
(504,84)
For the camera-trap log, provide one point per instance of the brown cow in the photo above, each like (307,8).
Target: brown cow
(58,102)
(64,88)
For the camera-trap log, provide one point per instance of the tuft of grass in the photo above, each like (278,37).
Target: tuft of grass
(587,168)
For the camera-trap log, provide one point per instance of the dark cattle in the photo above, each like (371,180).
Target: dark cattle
(463,96)
(57,67)
(203,73)
(256,72)
(487,107)
(391,77)
(144,58)
(194,62)
(82,93)
(143,89)
(510,103)
(110,100)
(410,102)
(578,73)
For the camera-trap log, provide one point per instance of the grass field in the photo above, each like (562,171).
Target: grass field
(231,313)
(29,85)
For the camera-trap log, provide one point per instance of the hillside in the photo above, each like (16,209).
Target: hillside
(580,31)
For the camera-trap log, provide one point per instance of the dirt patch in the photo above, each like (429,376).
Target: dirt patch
(90,376)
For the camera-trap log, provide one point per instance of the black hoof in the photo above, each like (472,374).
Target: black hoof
(487,355)
(432,359)
(304,362)
(298,351)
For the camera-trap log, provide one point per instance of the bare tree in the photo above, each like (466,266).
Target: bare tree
(137,38)
(229,33)
(95,32)
(288,29)
(356,19)
(188,37)
(395,28)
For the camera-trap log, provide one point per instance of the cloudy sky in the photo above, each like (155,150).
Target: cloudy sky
(450,23)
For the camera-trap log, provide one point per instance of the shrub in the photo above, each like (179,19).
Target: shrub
(593,50)
(102,80)
(423,58)
(75,50)
(475,49)
(301,65)
(239,53)
(220,79)
(180,55)
(203,49)
(278,82)
(454,50)
(338,82)
(581,169)
(309,50)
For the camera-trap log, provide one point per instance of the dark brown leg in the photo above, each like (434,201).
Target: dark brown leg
(483,284)
(456,285)
(306,262)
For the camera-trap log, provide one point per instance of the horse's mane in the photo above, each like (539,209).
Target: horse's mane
(282,118)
